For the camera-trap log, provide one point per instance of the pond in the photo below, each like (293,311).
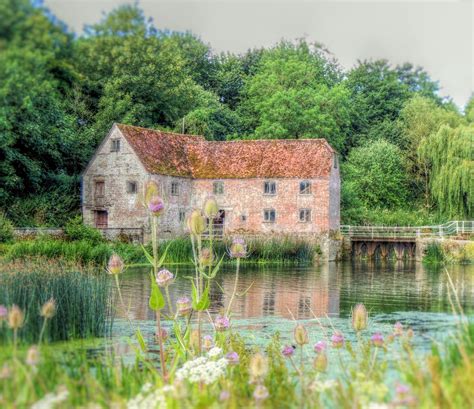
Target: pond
(417,296)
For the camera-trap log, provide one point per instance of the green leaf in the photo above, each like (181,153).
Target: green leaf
(157,301)
(162,258)
(148,256)
(217,267)
(141,340)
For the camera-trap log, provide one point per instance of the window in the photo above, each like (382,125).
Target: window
(181,216)
(305,187)
(174,188)
(269,188)
(218,188)
(132,187)
(305,215)
(99,188)
(115,145)
(243,217)
(269,215)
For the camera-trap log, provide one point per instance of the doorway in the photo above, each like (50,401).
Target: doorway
(101,219)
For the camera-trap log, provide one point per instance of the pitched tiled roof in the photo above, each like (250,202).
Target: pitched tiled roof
(192,156)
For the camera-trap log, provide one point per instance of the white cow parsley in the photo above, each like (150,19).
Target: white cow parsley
(203,370)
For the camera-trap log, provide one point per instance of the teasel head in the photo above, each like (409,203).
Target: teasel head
(115,265)
(301,335)
(211,208)
(258,366)
(183,306)
(360,317)
(164,278)
(151,189)
(320,362)
(3,313)
(238,248)
(48,310)
(337,340)
(156,206)
(206,258)
(32,356)
(16,318)
(260,393)
(207,342)
(377,339)
(196,223)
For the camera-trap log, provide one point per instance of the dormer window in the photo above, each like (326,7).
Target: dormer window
(114,145)
(305,187)
(269,188)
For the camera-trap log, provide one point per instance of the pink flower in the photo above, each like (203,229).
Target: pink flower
(183,305)
(156,205)
(398,329)
(238,248)
(221,323)
(288,351)
(163,334)
(377,339)
(115,265)
(164,278)
(320,346)
(225,395)
(232,358)
(208,342)
(337,340)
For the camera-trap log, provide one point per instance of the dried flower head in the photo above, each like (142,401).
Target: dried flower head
(163,335)
(115,265)
(164,278)
(156,206)
(320,346)
(320,363)
(48,310)
(233,358)
(16,317)
(221,323)
(208,342)
(32,356)
(377,339)
(301,335)
(207,257)
(183,306)
(196,223)
(210,208)
(258,366)
(260,393)
(238,248)
(337,340)
(360,317)
(288,351)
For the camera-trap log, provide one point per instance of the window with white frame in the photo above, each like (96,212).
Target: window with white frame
(305,187)
(269,187)
(305,215)
(181,216)
(269,215)
(174,188)
(114,145)
(218,187)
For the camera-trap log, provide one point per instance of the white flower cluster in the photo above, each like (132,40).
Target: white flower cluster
(203,370)
(323,386)
(51,400)
(150,399)
(214,352)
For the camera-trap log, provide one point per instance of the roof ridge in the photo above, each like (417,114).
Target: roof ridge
(161,131)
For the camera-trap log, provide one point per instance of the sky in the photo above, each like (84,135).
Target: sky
(435,34)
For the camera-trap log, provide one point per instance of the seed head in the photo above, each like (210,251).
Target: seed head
(232,358)
(377,339)
(301,335)
(183,305)
(164,278)
(360,317)
(207,342)
(258,366)
(221,323)
(15,317)
(32,356)
(115,265)
(337,340)
(210,208)
(320,363)
(260,393)
(48,310)
(207,257)
(196,223)
(163,335)
(156,206)
(288,351)
(320,346)
(238,248)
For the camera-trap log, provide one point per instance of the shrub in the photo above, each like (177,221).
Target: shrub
(6,229)
(75,230)
(434,254)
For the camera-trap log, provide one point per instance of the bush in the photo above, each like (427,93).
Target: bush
(434,254)
(6,229)
(76,230)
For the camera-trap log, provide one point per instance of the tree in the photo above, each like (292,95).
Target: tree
(374,175)
(469,110)
(449,155)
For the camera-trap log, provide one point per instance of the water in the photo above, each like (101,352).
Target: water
(321,296)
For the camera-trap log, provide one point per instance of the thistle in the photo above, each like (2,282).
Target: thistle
(337,340)
(258,366)
(320,346)
(183,306)
(238,248)
(15,318)
(164,278)
(232,358)
(377,339)
(221,323)
(360,317)
(156,206)
(301,335)
(398,329)
(115,265)
(48,310)
(208,341)
(288,351)
(196,223)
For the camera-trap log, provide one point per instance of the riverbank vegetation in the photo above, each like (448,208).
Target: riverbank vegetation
(399,141)
(449,252)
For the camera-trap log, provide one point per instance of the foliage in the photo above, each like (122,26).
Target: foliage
(75,230)
(6,229)
(357,214)
(434,254)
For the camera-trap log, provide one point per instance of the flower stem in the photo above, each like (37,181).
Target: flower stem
(237,268)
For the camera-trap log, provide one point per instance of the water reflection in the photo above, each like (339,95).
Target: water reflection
(329,289)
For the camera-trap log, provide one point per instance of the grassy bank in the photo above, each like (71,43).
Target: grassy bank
(449,252)
(275,250)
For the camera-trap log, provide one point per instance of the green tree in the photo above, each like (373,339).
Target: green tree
(469,110)
(374,176)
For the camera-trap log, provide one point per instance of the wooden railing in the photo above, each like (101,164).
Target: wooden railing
(454,228)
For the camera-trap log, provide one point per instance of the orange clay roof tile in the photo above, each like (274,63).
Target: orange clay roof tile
(192,156)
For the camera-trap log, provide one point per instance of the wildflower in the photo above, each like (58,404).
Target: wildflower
(202,370)
(337,340)
(319,347)
(164,278)
(156,206)
(15,317)
(196,223)
(398,329)
(232,358)
(32,356)
(260,393)
(163,335)
(224,395)
(210,208)
(288,351)
(221,323)
(360,317)
(115,265)
(183,305)
(206,258)
(214,352)
(148,398)
(323,386)
(258,366)
(402,389)
(48,310)
(403,395)
(3,313)
(377,339)
(208,342)
(301,335)
(238,248)
(320,362)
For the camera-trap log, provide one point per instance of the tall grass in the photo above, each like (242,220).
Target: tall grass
(434,254)
(82,299)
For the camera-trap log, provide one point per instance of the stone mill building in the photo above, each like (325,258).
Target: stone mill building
(262,186)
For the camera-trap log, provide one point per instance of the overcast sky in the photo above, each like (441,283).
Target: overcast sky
(436,34)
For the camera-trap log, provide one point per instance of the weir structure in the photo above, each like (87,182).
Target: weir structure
(382,241)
